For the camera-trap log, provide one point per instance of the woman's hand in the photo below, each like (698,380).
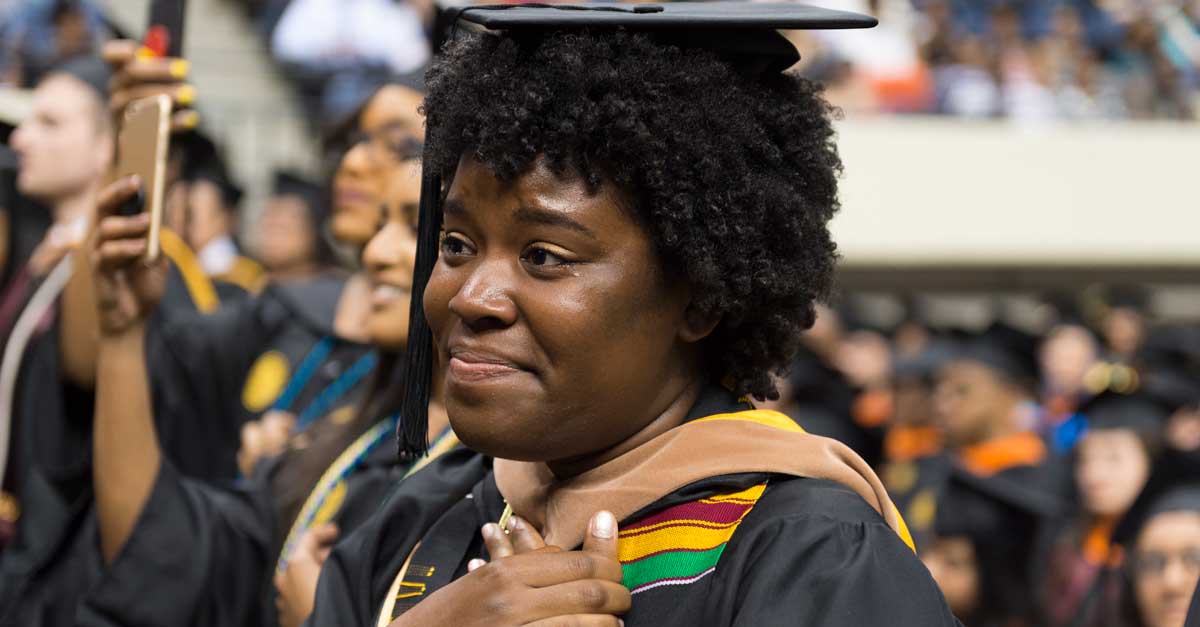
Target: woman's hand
(127,288)
(297,584)
(530,583)
(137,75)
(263,438)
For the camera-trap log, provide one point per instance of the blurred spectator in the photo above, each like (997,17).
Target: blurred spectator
(1112,464)
(40,34)
(340,51)
(1033,61)
(288,233)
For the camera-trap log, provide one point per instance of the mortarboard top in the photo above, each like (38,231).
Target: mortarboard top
(995,508)
(285,183)
(1136,410)
(745,35)
(1002,348)
(739,30)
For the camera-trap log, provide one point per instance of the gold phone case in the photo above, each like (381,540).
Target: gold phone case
(142,150)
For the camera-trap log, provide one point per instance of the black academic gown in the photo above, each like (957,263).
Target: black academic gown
(205,368)
(201,555)
(810,552)
(55,554)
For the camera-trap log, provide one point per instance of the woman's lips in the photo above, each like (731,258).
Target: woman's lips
(383,295)
(470,367)
(345,197)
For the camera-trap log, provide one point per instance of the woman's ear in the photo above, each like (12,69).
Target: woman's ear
(697,325)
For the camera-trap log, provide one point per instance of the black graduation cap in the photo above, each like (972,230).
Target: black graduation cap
(744,34)
(202,160)
(1169,366)
(1003,348)
(1136,411)
(91,71)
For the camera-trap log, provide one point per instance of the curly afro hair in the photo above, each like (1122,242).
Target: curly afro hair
(734,178)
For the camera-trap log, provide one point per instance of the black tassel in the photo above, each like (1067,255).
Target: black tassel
(412,438)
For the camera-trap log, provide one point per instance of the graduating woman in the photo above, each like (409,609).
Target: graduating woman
(623,231)
(271,366)
(276,524)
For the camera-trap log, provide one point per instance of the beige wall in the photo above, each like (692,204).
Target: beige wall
(920,191)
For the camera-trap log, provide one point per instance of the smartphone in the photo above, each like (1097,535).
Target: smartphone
(142,150)
(164,32)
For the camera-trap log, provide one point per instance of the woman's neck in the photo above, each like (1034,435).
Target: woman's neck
(678,406)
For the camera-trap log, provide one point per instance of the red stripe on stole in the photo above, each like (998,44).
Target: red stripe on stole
(694,514)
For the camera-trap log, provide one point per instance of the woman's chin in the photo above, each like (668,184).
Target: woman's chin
(386,334)
(353,225)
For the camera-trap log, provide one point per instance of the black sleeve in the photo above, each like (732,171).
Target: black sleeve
(198,556)
(197,365)
(814,553)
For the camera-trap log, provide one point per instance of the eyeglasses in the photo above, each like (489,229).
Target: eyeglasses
(388,144)
(1154,563)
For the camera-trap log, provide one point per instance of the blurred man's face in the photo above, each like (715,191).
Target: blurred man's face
(1166,567)
(971,402)
(1110,471)
(65,145)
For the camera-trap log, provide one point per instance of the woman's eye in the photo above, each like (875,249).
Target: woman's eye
(454,245)
(543,257)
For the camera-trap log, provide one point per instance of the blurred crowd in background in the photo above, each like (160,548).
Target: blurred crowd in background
(1028,60)
(1031,461)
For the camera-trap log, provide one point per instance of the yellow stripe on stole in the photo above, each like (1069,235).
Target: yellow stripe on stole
(685,534)
(761,416)
(199,286)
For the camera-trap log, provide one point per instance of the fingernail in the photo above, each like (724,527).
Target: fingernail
(605,527)
(515,524)
(474,564)
(179,68)
(145,53)
(491,531)
(185,95)
(135,182)
(191,119)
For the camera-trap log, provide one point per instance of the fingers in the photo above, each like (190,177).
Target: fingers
(590,596)
(523,536)
(475,565)
(121,227)
(119,254)
(182,95)
(496,541)
(277,429)
(141,69)
(119,51)
(184,121)
(324,535)
(251,450)
(115,194)
(601,537)
(545,568)
(579,620)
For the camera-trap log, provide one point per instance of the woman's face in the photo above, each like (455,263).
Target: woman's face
(1111,470)
(556,330)
(1166,566)
(388,260)
(389,125)
(952,563)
